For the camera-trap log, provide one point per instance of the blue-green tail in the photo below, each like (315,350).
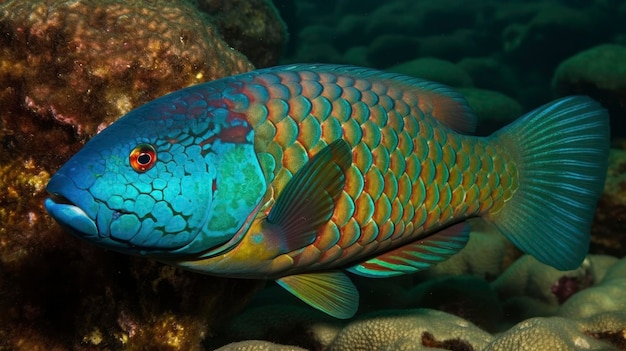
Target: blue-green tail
(561,150)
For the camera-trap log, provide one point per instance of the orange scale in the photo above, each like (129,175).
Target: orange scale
(327,77)
(308,76)
(404,189)
(391,185)
(310,132)
(386,102)
(434,151)
(468,179)
(295,157)
(379,87)
(468,147)
(428,173)
(289,77)
(344,209)
(413,168)
(447,214)
(497,206)
(497,193)
(369,233)
(371,134)
(256,93)
(493,180)
(300,108)
(396,210)
(405,143)
(461,162)
(373,183)
(379,116)
(362,84)
(278,91)
(332,254)
(454,178)
(267,79)
(320,108)
(399,230)
(380,157)
(286,132)
(360,112)
(277,110)
(364,208)
(311,89)
(389,138)
(420,148)
(331,130)
(419,218)
(341,109)
(283,176)
(354,182)
(352,132)
(411,125)
(408,213)
(397,163)
(331,91)
(474,164)
(370,98)
(449,155)
(486,162)
(328,235)
(351,94)
(265,131)
(257,114)
(362,157)
(295,88)
(395,121)
(401,107)
(433,217)
(439,135)
(418,193)
(307,257)
(387,229)
(441,174)
(486,205)
(382,209)
(345,81)
(350,234)
(276,151)
(432,197)
(498,164)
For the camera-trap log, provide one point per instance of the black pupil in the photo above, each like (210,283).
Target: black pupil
(144,158)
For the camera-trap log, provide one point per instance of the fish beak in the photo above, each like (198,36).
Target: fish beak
(71,216)
(65,211)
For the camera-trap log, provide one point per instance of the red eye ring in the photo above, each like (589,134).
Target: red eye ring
(143,157)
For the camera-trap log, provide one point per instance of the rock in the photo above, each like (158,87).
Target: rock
(491,74)
(388,50)
(252,27)
(434,69)
(600,73)
(608,232)
(494,110)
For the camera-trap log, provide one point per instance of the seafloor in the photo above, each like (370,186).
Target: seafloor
(70,68)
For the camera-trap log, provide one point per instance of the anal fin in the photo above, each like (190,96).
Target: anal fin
(330,292)
(417,255)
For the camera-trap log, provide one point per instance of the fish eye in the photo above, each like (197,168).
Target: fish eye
(142,157)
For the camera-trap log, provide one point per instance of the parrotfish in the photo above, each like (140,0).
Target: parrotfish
(300,173)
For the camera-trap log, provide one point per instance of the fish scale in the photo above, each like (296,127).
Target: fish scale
(398,147)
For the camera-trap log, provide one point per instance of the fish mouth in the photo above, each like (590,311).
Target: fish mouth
(69,215)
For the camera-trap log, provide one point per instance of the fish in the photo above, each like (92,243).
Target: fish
(303,173)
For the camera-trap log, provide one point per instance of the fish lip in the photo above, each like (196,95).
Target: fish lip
(70,216)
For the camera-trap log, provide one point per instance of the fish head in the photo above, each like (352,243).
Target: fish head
(176,177)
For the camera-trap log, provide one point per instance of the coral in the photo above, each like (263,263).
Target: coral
(403,330)
(258,345)
(546,334)
(600,73)
(252,27)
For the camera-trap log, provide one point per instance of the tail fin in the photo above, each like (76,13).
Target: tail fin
(561,150)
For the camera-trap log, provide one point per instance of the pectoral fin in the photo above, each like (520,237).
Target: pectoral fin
(329,292)
(416,256)
(308,199)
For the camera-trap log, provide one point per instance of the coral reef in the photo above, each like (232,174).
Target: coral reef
(252,27)
(68,69)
